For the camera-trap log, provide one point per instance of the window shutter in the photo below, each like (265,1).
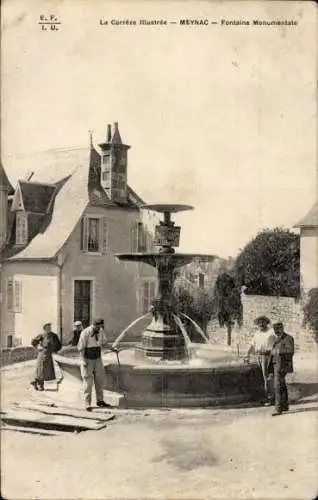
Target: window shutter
(148,241)
(134,237)
(84,238)
(142,237)
(21,234)
(10,302)
(17,296)
(104,235)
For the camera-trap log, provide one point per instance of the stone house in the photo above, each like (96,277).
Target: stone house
(308,227)
(71,211)
(201,274)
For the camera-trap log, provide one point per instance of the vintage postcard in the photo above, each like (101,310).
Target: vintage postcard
(159,250)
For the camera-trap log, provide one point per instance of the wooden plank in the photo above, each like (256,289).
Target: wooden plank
(30,430)
(60,410)
(63,422)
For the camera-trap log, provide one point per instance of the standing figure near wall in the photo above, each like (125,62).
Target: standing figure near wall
(47,343)
(282,364)
(261,346)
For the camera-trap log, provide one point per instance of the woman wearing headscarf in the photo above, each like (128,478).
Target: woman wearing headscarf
(47,343)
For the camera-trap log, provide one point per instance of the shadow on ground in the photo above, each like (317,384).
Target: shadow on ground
(186,456)
(303,410)
(303,392)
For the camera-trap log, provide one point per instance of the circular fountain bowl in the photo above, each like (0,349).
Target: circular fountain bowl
(214,377)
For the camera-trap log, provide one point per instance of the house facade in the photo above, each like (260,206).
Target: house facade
(71,212)
(201,274)
(308,227)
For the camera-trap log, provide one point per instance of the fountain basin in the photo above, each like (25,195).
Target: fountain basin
(213,378)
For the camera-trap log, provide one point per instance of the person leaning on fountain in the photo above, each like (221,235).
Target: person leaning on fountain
(261,346)
(91,340)
(76,333)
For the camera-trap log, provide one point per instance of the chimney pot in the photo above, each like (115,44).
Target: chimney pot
(109,133)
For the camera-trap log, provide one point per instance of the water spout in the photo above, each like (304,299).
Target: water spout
(197,327)
(184,333)
(123,333)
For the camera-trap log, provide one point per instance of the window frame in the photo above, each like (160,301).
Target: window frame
(15,303)
(102,234)
(92,242)
(21,217)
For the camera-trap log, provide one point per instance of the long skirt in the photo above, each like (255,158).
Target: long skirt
(44,369)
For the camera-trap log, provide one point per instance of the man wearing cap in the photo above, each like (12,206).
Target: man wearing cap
(261,346)
(89,345)
(282,361)
(76,333)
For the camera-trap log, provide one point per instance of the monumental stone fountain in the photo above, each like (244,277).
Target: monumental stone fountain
(165,368)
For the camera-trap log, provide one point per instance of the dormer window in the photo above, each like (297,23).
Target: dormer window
(21,230)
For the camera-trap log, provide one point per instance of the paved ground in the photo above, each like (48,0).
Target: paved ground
(189,454)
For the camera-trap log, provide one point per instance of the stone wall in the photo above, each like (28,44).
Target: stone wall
(16,355)
(285,309)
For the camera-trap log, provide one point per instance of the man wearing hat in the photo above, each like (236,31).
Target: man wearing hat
(76,333)
(261,346)
(91,340)
(282,361)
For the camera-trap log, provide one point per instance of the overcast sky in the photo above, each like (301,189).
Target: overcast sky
(221,117)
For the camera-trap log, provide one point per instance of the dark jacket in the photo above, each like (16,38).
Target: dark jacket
(75,338)
(282,354)
(47,344)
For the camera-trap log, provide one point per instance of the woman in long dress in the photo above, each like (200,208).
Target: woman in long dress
(46,343)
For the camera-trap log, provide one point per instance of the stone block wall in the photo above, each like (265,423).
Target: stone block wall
(285,309)
(16,355)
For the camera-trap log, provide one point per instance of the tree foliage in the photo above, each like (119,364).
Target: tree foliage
(228,300)
(311,312)
(199,305)
(269,264)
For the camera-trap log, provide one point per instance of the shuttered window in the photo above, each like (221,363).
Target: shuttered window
(94,234)
(134,238)
(138,237)
(10,295)
(21,231)
(93,238)
(14,295)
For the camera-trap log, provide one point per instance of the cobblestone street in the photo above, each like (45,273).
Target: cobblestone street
(228,453)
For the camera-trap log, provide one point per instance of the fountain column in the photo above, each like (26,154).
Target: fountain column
(163,339)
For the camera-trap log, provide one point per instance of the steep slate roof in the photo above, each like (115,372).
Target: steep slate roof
(76,174)
(311,219)
(36,197)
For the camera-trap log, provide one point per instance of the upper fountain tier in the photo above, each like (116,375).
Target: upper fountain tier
(167,236)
